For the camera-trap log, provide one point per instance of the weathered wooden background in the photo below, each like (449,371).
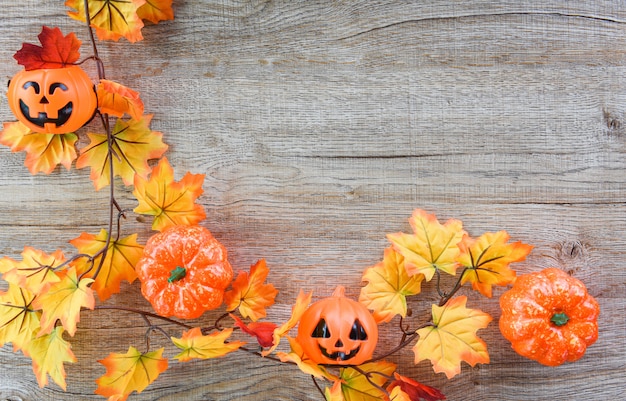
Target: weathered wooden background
(320,126)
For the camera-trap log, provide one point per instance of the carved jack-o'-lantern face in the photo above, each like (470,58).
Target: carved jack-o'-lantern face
(338,331)
(53,101)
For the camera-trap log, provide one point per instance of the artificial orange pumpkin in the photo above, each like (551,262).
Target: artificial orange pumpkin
(184,271)
(52,100)
(549,317)
(338,331)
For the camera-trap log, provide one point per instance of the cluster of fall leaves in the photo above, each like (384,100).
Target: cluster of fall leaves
(47,292)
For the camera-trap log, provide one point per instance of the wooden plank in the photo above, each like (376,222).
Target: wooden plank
(320,126)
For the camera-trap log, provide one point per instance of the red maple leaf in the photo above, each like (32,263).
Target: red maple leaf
(56,50)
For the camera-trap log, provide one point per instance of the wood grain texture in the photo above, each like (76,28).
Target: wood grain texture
(320,126)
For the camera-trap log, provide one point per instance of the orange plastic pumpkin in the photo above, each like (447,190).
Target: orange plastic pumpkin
(549,316)
(338,331)
(52,101)
(184,271)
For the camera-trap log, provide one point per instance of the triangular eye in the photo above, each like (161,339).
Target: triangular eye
(321,330)
(358,331)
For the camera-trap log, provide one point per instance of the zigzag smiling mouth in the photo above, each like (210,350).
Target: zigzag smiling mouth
(340,356)
(42,118)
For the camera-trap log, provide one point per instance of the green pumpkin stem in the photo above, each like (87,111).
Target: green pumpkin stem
(177,274)
(559,319)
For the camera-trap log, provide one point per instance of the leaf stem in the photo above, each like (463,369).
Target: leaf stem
(445,297)
(144,314)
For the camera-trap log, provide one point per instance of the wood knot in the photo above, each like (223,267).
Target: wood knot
(571,256)
(613,122)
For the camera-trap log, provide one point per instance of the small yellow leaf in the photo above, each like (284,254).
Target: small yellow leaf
(111,20)
(119,262)
(35,271)
(43,151)
(452,337)
(132,371)
(487,260)
(170,202)
(250,294)
(194,345)
(19,321)
(48,353)
(388,285)
(432,247)
(63,301)
(133,144)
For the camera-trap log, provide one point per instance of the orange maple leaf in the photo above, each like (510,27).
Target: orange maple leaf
(48,353)
(487,259)
(388,285)
(432,247)
(111,20)
(116,99)
(299,357)
(56,50)
(170,202)
(132,371)
(263,331)
(35,271)
(195,345)
(156,10)
(249,294)
(362,385)
(302,303)
(19,321)
(119,263)
(452,337)
(133,144)
(43,151)
(63,301)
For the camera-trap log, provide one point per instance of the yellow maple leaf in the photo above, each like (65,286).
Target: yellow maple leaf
(432,247)
(48,353)
(362,384)
(487,260)
(132,371)
(19,320)
(156,11)
(388,285)
(302,303)
(250,294)
(116,99)
(119,262)
(194,345)
(170,202)
(63,301)
(133,144)
(111,19)
(306,365)
(43,151)
(34,271)
(452,337)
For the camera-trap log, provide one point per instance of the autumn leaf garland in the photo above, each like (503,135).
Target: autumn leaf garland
(48,292)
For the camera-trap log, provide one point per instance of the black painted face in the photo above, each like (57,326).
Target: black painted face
(339,351)
(41,119)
